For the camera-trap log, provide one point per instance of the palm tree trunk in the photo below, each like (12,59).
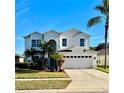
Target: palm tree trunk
(106,30)
(105,50)
(43,61)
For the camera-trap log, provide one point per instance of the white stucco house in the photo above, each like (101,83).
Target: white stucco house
(73,44)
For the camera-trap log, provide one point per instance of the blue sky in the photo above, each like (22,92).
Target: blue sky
(60,15)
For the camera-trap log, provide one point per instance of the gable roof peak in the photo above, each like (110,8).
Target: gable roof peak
(73,29)
(32,33)
(51,30)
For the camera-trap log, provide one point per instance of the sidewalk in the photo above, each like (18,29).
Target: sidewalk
(44,79)
(63,91)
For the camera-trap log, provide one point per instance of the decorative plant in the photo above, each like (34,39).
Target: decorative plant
(58,60)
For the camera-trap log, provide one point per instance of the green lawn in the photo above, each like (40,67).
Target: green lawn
(32,74)
(101,68)
(41,84)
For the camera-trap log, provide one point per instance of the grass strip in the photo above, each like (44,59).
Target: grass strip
(41,84)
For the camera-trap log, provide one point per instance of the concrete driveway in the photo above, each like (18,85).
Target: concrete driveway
(83,81)
(88,80)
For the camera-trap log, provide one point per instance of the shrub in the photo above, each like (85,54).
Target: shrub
(35,66)
(24,65)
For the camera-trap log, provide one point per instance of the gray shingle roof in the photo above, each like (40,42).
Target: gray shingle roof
(74,32)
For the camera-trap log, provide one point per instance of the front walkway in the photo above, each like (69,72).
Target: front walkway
(83,81)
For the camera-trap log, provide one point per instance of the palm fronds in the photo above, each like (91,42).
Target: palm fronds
(94,21)
(101,9)
(106,3)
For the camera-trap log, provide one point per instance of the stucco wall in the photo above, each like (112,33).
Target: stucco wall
(74,41)
(28,40)
(27,43)
(77,38)
(101,60)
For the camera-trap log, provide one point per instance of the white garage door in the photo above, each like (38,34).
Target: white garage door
(76,61)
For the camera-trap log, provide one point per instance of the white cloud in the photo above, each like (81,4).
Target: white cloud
(97,38)
(19,51)
(19,38)
(22,2)
(22,11)
(22,7)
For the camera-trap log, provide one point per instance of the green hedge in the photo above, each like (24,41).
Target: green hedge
(24,65)
(28,65)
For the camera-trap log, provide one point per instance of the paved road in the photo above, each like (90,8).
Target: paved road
(83,81)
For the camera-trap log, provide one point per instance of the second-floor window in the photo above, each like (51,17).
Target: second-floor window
(82,42)
(36,43)
(64,42)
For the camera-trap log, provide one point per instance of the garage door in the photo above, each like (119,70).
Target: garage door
(76,61)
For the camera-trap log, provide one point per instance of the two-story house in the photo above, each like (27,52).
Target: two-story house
(73,44)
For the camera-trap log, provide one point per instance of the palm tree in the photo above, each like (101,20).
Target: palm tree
(30,52)
(46,50)
(43,52)
(104,9)
(47,47)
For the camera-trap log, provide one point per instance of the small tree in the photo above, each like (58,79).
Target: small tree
(30,53)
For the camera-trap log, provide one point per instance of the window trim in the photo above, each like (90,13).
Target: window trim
(82,56)
(71,57)
(90,56)
(36,44)
(82,42)
(68,56)
(33,42)
(75,56)
(64,43)
(79,56)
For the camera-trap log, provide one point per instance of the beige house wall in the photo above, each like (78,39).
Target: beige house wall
(101,60)
(21,60)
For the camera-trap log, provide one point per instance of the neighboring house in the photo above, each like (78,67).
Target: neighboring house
(19,58)
(73,44)
(101,57)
